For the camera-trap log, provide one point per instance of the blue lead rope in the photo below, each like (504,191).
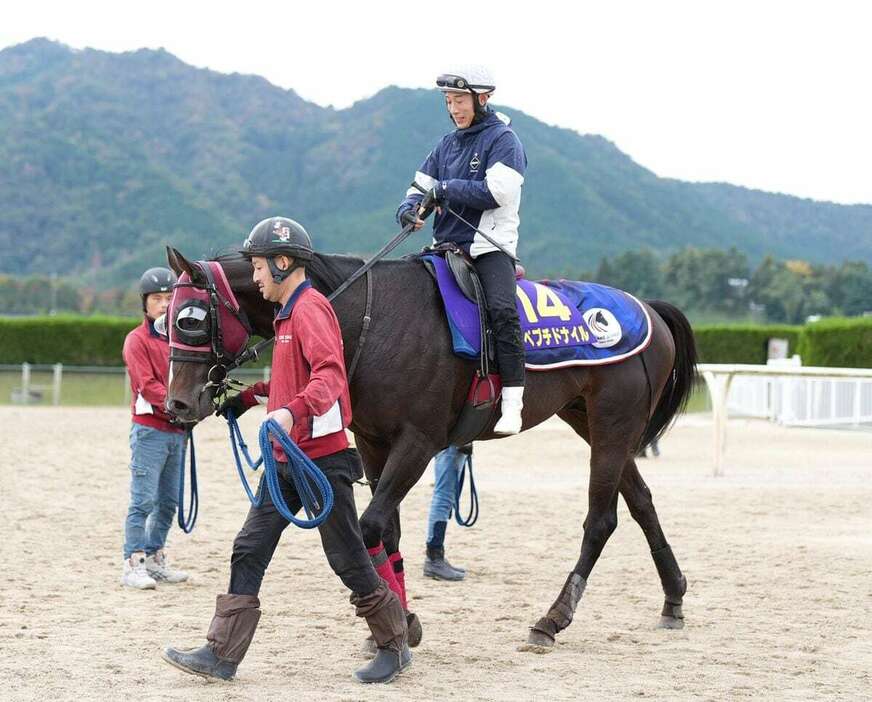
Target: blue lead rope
(187,525)
(236,438)
(472,517)
(312,486)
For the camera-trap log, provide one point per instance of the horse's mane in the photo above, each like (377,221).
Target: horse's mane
(328,270)
(227,255)
(332,270)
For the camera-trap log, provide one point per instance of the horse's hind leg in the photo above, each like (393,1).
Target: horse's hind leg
(638,498)
(612,435)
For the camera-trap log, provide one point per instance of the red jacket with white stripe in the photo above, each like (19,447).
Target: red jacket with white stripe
(308,375)
(147,357)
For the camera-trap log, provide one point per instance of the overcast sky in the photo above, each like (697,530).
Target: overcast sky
(767,94)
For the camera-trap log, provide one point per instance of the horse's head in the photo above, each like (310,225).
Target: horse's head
(208,329)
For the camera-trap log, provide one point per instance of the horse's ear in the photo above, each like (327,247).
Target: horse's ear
(180,264)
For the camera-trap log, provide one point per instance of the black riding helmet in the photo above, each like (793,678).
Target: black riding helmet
(156,280)
(279,236)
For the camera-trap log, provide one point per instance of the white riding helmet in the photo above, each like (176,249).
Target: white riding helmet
(467,79)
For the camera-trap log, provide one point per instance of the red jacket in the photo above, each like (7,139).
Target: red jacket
(308,375)
(147,357)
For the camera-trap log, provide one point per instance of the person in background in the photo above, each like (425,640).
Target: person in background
(157,446)
(448,463)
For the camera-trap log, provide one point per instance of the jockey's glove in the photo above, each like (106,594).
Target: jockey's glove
(409,216)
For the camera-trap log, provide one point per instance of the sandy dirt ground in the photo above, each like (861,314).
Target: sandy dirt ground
(778,556)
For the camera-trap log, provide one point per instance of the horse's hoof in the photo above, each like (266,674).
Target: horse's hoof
(369,649)
(416,631)
(538,642)
(670,623)
(671,617)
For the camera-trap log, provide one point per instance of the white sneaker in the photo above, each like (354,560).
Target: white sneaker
(135,574)
(159,569)
(511,406)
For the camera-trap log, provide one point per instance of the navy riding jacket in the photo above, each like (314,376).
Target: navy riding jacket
(479,171)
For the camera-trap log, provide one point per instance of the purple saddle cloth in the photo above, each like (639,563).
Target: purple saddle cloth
(564,323)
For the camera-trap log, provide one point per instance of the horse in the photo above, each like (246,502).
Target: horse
(408,389)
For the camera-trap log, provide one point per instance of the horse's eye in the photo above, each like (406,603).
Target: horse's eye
(191,319)
(188,324)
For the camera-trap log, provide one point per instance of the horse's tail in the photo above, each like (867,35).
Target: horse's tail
(683,377)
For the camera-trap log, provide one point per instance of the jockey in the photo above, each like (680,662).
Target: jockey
(308,396)
(157,446)
(478,170)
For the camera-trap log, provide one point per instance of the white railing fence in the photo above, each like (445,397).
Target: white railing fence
(789,394)
(51,381)
(802,401)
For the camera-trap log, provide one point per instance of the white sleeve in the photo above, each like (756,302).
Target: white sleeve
(504,183)
(424,181)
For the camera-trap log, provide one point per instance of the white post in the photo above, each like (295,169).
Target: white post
(57,375)
(25,383)
(858,392)
(266,370)
(719,388)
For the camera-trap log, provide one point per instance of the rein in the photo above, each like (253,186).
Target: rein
(254,352)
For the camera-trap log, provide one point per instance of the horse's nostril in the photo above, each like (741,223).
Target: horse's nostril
(176,406)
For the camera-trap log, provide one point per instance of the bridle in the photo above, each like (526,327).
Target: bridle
(222,361)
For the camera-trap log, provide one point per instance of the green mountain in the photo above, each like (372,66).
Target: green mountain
(106,157)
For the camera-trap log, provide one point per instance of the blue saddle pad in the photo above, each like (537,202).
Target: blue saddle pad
(564,323)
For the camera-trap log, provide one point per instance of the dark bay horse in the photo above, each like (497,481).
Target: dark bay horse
(408,390)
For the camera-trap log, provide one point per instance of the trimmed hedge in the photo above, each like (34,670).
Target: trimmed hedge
(97,341)
(742,343)
(76,340)
(838,343)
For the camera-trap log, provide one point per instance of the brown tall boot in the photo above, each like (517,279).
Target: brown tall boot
(229,636)
(387,621)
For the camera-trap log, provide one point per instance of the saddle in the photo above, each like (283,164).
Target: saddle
(464,273)
(461,266)
(484,392)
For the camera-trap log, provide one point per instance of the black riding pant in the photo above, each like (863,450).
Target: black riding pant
(497,273)
(340,532)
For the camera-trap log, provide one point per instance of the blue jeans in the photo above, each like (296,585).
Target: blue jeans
(155,470)
(448,464)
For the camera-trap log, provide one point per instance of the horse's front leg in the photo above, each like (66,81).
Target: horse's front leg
(392,471)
